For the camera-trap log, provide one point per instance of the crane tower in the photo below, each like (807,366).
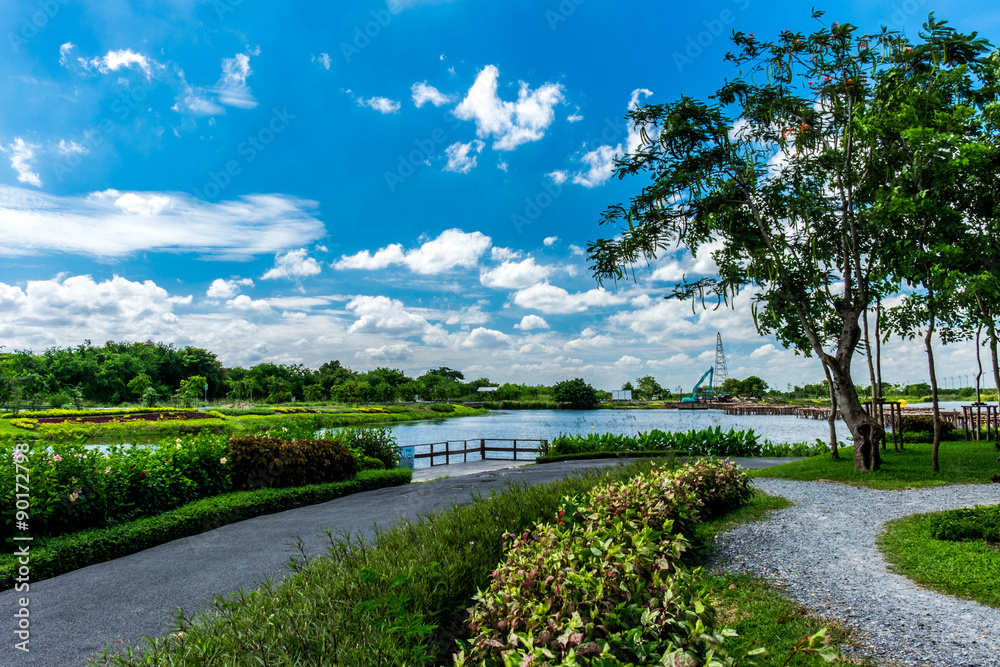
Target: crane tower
(720,363)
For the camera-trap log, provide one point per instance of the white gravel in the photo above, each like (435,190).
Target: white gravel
(823,551)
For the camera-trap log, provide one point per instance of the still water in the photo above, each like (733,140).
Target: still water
(547,424)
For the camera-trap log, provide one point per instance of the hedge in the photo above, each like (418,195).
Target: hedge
(583,456)
(77,550)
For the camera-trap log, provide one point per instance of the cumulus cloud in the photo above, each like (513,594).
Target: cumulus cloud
(64,51)
(424,94)
(293,264)
(32,223)
(558,176)
(480,339)
(451,249)
(380,104)
(529,322)
(515,275)
(549,299)
(550,240)
(393,353)
(511,124)
(383,315)
(113,61)
(459,160)
(71,148)
(601,160)
(21,154)
(243,302)
(225,289)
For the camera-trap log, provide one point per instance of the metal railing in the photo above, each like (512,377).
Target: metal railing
(480,449)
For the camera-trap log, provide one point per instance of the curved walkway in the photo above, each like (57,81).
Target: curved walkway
(823,551)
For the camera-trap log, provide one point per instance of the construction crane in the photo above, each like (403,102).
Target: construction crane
(721,373)
(693,398)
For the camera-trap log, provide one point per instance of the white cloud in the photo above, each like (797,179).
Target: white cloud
(575,118)
(577,250)
(243,302)
(502,166)
(558,176)
(510,123)
(529,322)
(293,264)
(657,319)
(380,104)
(394,353)
(550,240)
(21,155)
(232,88)
(766,350)
(71,148)
(452,248)
(515,275)
(113,61)
(382,315)
(64,52)
(32,223)
(503,254)
(480,338)
(628,363)
(323,59)
(459,161)
(601,160)
(396,6)
(225,289)
(549,299)
(423,93)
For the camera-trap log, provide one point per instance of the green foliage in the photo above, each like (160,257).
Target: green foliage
(442,407)
(377,443)
(978,523)
(346,609)
(923,426)
(66,553)
(710,441)
(575,394)
(605,582)
(41,414)
(74,487)
(261,461)
(28,424)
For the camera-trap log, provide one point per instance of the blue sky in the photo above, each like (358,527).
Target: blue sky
(408,184)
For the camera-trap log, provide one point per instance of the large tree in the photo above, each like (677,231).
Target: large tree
(779,168)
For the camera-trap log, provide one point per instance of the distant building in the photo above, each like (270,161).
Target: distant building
(487,390)
(621,394)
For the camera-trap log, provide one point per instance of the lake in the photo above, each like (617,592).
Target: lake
(547,424)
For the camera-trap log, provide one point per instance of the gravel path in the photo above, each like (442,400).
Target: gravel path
(823,550)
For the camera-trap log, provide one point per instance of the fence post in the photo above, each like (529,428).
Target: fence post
(515,449)
(447,452)
(482,448)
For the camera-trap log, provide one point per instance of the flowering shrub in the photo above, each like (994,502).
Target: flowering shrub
(74,487)
(28,424)
(378,443)
(604,583)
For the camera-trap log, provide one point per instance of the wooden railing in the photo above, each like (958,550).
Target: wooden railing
(480,449)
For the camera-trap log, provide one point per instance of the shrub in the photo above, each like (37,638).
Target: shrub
(924,425)
(28,424)
(260,461)
(442,407)
(576,394)
(978,523)
(60,399)
(377,443)
(605,583)
(369,463)
(707,442)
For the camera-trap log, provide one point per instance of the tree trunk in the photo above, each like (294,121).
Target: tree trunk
(832,420)
(878,343)
(991,332)
(866,431)
(935,466)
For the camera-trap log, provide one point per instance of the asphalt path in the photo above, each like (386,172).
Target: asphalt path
(74,615)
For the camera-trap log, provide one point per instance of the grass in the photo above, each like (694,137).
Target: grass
(961,463)
(758,611)
(969,570)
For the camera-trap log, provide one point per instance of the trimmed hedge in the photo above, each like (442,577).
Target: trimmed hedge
(58,412)
(924,425)
(259,461)
(77,550)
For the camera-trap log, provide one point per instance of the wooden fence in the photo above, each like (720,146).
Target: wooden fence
(480,449)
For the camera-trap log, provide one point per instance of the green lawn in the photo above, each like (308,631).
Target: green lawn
(961,463)
(968,570)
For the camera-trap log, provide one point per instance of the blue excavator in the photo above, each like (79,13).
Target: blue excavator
(693,398)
